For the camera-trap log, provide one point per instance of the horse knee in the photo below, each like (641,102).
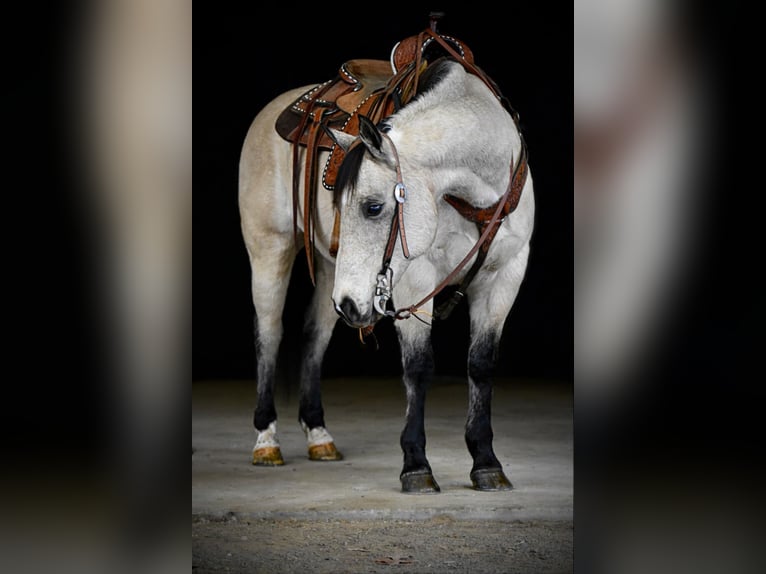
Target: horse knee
(419,367)
(482,358)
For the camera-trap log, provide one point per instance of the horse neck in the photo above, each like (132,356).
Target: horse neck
(460,136)
(465,164)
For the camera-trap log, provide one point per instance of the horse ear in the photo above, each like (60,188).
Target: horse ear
(343,139)
(373,141)
(369,133)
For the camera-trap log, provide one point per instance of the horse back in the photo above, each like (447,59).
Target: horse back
(265,202)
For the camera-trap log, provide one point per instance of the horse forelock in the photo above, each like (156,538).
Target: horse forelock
(348,174)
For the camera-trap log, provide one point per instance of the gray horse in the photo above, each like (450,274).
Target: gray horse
(455,143)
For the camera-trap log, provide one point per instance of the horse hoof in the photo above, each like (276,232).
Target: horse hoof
(490,479)
(419,482)
(326,451)
(268,456)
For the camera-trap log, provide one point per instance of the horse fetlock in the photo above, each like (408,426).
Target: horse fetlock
(321,445)
(266,451)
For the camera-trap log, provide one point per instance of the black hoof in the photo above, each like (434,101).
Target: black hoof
(419,482)
(490,479)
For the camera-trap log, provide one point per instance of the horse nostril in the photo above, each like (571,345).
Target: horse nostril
(347,310)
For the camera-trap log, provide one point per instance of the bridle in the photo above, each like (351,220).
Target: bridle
(386,274)
(488,219)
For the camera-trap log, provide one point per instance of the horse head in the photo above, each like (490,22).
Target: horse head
(387,219)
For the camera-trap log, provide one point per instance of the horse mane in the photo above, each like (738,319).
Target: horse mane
(348,172)
(432,76)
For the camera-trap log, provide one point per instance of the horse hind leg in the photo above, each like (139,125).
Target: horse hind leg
(318,328)
(270,279)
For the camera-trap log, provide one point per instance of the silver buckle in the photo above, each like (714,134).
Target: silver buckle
(400,193)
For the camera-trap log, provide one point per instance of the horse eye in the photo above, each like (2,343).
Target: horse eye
(373,209)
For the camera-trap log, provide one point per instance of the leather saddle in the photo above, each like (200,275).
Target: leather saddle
(373,88)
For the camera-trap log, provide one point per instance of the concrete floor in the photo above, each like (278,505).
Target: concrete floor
(532,423)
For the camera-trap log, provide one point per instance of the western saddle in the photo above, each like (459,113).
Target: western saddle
(372,88)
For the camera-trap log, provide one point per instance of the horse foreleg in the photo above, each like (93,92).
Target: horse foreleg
(318,328)
(418,367)
(270,279)
(487,472)
(489,308)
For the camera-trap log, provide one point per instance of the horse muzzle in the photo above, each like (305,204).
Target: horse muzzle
(351,314)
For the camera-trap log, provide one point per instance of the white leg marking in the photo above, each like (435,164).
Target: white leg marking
(267,438)
(316,436)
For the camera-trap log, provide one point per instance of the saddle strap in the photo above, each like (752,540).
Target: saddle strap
(296,159)
(335,239)
(309,192)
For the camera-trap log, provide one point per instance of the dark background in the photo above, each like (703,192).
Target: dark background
(251,57)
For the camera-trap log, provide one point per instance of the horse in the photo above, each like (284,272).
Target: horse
(419,197)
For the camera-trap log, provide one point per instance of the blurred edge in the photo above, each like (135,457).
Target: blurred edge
(138,118)
(104,276)
(667,315)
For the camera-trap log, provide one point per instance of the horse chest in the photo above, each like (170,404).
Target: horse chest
(456,236)
(451,244)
